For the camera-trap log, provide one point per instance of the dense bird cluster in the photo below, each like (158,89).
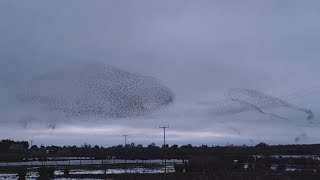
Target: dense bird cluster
(301,137)
(240,100)
(97,90)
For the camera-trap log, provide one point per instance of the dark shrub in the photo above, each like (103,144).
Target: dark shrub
(46,172)
(199,164)
(66,171)
(22,172)
(178,168)
(281,167)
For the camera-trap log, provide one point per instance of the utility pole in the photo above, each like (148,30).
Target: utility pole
(31,142)
(164,147)
(125,146)
(125,139)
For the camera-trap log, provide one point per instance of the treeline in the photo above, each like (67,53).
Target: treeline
(152,151)
(7,143)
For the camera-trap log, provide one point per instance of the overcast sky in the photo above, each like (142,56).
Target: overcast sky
(198,49)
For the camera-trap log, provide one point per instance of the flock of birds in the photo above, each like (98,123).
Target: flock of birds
(103,91)
(97,90)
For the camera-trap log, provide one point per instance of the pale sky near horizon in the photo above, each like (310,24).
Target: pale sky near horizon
(198,49)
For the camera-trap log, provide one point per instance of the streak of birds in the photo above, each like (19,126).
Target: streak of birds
(241,100)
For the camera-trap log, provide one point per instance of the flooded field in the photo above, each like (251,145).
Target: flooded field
(315,157)
(70,161)
(85,162)
(33,175)
(80,167)
(98,168)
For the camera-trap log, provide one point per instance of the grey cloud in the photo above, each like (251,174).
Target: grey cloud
(196,48)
